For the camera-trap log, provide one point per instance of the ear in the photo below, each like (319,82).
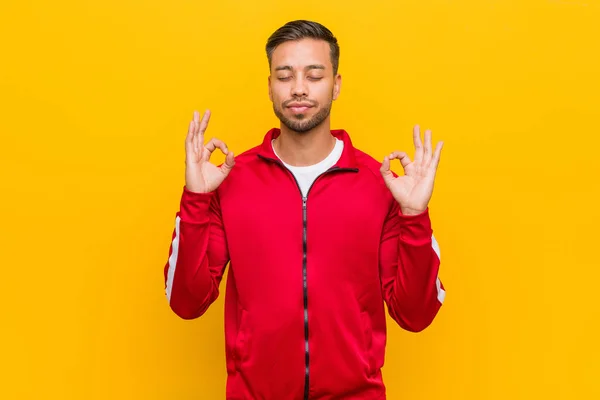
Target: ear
(337,86)
(270,90)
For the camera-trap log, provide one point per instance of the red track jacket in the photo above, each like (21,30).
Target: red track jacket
(304,306)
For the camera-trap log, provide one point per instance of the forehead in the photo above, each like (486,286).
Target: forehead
(301,53)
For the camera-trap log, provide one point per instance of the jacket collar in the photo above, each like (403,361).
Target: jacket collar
(347,159)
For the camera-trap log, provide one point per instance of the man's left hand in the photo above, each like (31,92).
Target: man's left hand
(413,190)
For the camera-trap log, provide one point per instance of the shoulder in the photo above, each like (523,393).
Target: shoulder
(368,163)
(247,164)
(370,169)
(248,156)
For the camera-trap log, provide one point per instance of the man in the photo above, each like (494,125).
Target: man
(319,237)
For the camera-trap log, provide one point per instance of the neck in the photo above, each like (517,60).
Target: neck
(306,148)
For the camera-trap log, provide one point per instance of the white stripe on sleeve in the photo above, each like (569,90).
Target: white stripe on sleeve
(173,259)
(441,293)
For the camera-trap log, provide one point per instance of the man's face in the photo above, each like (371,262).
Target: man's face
(302,86)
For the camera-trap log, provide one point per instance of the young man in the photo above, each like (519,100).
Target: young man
(319,237)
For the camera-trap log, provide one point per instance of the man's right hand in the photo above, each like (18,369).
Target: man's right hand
(200,175)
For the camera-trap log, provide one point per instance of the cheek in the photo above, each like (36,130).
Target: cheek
(324,94)
(277,93)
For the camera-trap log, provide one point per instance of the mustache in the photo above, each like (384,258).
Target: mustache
(311,102)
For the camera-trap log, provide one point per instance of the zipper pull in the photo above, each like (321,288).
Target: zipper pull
(304,208)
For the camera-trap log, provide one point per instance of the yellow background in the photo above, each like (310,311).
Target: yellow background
(95,102)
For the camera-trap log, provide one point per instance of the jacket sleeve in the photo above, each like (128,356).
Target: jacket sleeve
(409,265)
(197,255)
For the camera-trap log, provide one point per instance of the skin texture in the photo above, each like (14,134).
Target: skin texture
(302,74)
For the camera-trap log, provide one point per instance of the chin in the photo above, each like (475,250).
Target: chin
(304,115)
(302,126)
(305,122)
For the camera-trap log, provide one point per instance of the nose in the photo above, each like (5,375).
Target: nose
(299,88)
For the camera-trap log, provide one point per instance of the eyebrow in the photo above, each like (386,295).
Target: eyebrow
(308,67)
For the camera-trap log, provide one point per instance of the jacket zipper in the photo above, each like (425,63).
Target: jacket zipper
(305,290)
(304,271)
(304,263)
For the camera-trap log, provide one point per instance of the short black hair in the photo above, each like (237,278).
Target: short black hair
(301,29)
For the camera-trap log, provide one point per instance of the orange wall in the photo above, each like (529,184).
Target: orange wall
(96,97)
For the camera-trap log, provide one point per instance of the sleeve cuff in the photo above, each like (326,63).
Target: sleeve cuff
(415,229)
(194,207)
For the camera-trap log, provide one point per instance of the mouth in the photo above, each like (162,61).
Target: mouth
(298,108)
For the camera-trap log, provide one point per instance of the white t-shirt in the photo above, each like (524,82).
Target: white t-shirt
(306,175)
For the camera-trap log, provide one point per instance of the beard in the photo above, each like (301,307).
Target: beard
(299,123)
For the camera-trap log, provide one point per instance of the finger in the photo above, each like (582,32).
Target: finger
(385,165)
(427,147)
(402,156)
(195,137)
(199,128)
(435,161)
(189,139)
(194,124)
(203,125)
(418,144)
(196,120)
(228,164)
(386,173)
(214,144)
